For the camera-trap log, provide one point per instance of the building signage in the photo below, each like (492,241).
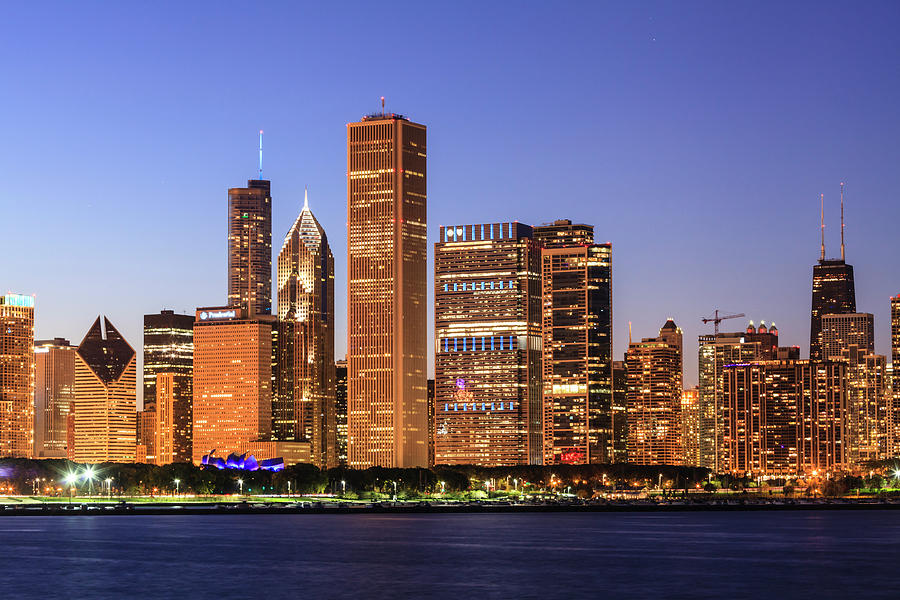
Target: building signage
(217,314)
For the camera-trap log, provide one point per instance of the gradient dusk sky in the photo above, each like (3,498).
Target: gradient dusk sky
(695,136)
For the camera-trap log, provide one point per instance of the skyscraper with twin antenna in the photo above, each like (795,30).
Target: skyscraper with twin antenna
(833,290)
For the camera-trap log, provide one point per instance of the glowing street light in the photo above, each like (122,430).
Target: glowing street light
(241,483)
(177,482)
(108,481)
(70,480)
(343,487)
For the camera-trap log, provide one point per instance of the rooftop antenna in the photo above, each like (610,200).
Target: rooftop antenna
(382,106)
(629,333)
(305,198)
(822,255)
(842,220)
(260,153)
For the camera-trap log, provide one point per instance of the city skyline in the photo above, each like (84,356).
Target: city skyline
(626,188)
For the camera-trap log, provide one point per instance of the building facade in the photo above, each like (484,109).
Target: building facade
(387,292)
(305,395)
(690,425)
(577,348)
(716,351)
(173,430)
(487,346)
(833,292)
(340,410)
(787,418)
(233,380)
(620,411)
(250,247)
(654,389)
(563,234)
(168,348)
(54,393)
(105,404)
(16,375)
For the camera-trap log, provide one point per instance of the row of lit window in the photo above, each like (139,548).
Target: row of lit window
(500,342)
(478,285)
(464,406)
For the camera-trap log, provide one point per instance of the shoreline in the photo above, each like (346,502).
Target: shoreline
(316,508)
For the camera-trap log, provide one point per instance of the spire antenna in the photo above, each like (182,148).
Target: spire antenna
(842,220)
(260,153)
(305,198)
(629,333)
(382,106)
(822,255)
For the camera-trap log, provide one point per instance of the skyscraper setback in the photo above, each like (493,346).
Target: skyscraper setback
(577,344)
(250,247)
(487,362)
(105,396)
(833,289)
(386,286)
(304,406)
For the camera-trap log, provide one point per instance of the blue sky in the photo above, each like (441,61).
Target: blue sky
(695,136)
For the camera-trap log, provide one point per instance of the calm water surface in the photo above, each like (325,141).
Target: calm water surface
(601,555)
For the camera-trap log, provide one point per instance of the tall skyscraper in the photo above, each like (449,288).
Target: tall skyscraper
(851,338)
(833,289)
(387,279)
(786,417)
(716,351)
(105,396)
(487,364)
(250,247)
(654,379)
(54,392)
(895,339)
(577,345)
(340,409)
(16,375)
(304,408)
(168,348)
(233,366)
(894,376)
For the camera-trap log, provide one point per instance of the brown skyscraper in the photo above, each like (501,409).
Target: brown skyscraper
(387,327)
(250,247)
(487,364)
(304,407)
(105,396)
(654,377)
(54,392)
(16,375)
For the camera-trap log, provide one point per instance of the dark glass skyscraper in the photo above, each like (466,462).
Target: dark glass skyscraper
(168,348)
(250,247)
(577,345)
(833,293)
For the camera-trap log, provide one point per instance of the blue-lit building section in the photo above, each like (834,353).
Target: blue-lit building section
(242,462)
(20,300)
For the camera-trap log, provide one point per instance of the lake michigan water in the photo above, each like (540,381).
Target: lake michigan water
(823,554)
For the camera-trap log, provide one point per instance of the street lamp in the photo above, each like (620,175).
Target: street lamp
(108,481)
(515,485)
(177,482)
(70,481)
(241,483)
(395,490)
(343,487)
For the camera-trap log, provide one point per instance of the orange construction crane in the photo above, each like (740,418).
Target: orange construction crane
(717,319)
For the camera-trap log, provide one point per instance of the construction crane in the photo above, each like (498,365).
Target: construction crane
(715,320)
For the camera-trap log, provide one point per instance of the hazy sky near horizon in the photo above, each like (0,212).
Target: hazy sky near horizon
(695,136)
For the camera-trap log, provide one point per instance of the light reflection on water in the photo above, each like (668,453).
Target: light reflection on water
(554,555)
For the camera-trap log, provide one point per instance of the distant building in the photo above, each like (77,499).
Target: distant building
(620,411)
(654,381)
(430,385)
(577,345)
(16,375)
(850,338)
(716,351)
(387,292)
(786,418)
(105,396)
(690,425)
(174,420)
(487,346)
(145,451)
(54,393)
(250,247)
(303,409)
(233,359)
(340,409)
(894,375)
